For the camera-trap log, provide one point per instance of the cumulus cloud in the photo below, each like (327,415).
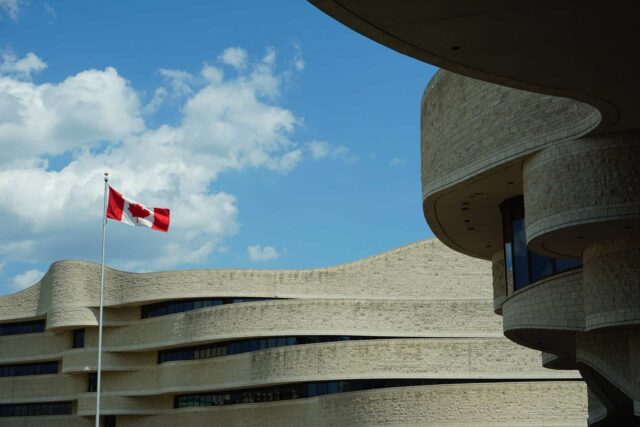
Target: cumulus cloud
(262,253)
(319,150)
(10,8)
(96,120)
(235,57)
(24,280)
(180,81)
(21,68)
(49,119)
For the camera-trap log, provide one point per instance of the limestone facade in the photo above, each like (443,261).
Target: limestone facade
(531,159)
(421,312)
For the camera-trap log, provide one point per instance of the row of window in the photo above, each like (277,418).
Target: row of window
(18,328)
(18,370)
(301,390)
(522,266)
(33,409)
(172,307)
(226,348)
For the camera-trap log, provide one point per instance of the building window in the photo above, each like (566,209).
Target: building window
(93,382)
(110,421)
(21,369)
(78,338)
(18,328)
(172,307)
(523,267)
(34,409)
(226,348)
(303,390)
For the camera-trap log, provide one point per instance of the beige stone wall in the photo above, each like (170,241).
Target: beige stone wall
(616,262)
(308,317)
(588,187)
(499,286)
(490,125)
(433,306)
(475,136)
(552,303)
(424,271)
(549,404)
(482,144)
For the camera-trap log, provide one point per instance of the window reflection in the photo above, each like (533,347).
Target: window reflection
(172,307)
(17,328)
(22,369)
(304,390)
(245,346)
(522,266)
(34,409)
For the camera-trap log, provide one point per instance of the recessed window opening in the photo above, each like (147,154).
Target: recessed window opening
(523,267)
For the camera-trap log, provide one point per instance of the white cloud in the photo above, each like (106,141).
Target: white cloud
(322,149)
(262,253)
(159,96)
(20,68)
(235,57)
(10,7)
(49,119)
(396,161)
(180,81)
(24,280)
(224,124)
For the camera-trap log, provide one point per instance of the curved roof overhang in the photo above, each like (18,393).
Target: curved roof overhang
(584,50)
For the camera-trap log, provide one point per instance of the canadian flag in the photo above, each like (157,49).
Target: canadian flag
(125,210)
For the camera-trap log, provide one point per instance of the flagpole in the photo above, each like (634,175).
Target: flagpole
(104,229)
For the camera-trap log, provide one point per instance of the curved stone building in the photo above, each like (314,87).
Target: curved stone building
(531,159)
(403,338)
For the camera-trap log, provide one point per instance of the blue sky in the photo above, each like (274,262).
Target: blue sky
(278,137)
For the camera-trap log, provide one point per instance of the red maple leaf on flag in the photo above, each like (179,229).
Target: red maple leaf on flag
(138,210)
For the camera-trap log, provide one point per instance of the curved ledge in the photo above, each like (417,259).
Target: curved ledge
(608,361)
(598,199)
(68,294)
(612,287)
(469,38)
(85,360)
(546,316)
(33,347)
(49,421)
(398,358)
(313,317)
(41,388)
(124,405)
(474,137)
(477,404)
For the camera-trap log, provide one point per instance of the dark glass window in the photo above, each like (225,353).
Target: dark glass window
(34,409)
(172,307)
(303,390)
(21,369)
(78,338)
(110,421)
(18,328)
(244,346)
(93,382)
(522,266)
